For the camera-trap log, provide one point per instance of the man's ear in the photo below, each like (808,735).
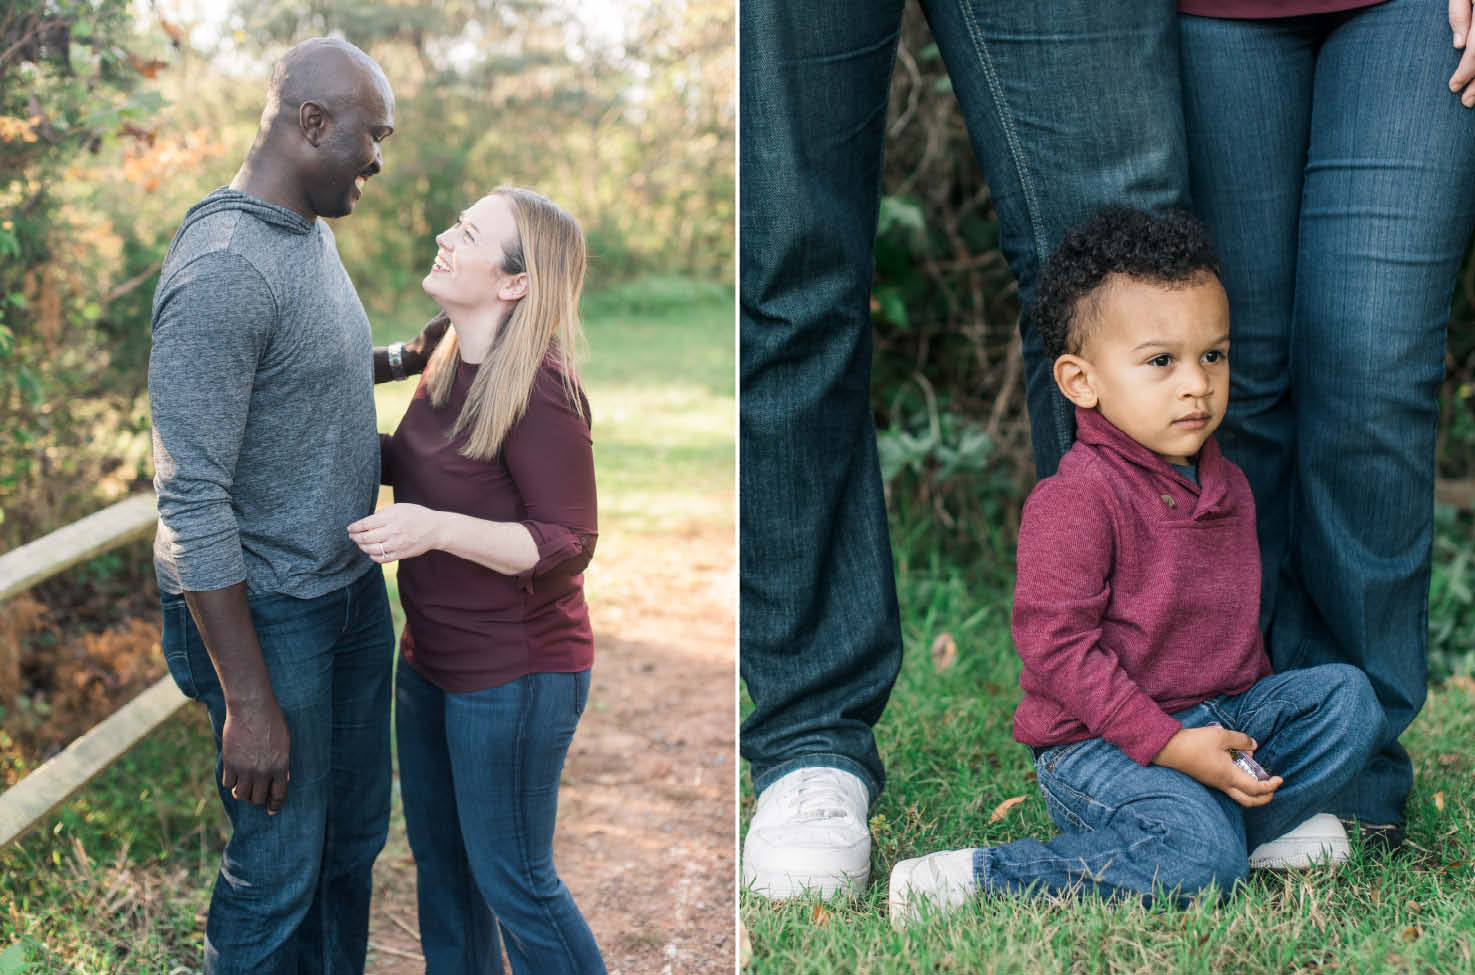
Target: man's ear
(1073,376)
(313,122)
(514,288)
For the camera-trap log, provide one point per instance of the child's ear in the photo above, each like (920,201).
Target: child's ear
(1073,376)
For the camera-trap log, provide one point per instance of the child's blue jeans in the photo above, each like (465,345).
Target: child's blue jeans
(1140,831)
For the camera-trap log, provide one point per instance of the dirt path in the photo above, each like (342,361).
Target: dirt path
(646,820)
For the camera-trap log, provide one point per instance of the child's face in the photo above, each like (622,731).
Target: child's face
(1156,363)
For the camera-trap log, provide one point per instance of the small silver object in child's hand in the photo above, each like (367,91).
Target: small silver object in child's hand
(1244,759)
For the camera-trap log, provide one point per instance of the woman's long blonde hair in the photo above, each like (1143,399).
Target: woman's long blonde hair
(550,248)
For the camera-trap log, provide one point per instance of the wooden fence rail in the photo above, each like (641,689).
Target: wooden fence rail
(32,798)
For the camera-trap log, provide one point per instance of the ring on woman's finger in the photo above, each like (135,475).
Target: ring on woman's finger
(382,553)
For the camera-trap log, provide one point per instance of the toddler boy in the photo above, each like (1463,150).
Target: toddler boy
(1136,607)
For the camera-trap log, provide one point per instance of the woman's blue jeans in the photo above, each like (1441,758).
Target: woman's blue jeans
(1332,166)
(1151,831)
(293,891)
(479,777)
(1071,105)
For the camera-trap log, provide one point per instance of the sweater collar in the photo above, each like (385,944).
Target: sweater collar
(1213,485)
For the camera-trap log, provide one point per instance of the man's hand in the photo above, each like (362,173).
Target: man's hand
(1203,753)
(255,748)
(419,348)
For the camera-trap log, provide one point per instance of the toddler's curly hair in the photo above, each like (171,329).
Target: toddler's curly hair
(1167,248)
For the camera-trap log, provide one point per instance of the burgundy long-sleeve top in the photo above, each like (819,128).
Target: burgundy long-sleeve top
(467,627)
(1138,593)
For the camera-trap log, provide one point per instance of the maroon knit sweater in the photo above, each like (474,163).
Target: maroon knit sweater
(467,627)
(1138,593)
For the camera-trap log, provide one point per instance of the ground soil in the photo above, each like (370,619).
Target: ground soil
(646,835)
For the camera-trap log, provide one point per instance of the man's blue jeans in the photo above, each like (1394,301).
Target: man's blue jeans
(1071,105)
(293,891)
(1143,832)
(1331,164)
(479,776)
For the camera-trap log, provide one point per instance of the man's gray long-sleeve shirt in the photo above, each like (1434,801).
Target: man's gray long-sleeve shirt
(261,388)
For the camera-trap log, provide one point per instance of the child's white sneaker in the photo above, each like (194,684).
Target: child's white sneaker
(941,881)
(1320,839)
(809,836)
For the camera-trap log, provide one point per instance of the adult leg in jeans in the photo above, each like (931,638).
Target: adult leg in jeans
(358,803)
(292,893)
(507,746)
(1249,196)
(1386,212)
(1071,105)
(458,932)
(820,637)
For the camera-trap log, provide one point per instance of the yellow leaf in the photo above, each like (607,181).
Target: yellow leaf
(944,651)
(1002,809)
(1410,935)
(1439,801)
(820,915)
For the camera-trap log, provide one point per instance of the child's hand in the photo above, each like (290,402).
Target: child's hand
(1203,753)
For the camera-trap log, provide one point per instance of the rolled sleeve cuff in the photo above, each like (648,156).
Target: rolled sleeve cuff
(205,558)
(561,552)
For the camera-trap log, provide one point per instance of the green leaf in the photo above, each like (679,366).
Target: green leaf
(893,307)
(900,213)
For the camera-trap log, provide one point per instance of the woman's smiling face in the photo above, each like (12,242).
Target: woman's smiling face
(470,255)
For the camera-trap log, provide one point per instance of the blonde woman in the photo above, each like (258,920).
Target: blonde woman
(493,524)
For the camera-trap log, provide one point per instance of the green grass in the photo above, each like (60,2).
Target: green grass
(950,757)
(118,880)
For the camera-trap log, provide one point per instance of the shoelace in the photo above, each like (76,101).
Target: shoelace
(818,796)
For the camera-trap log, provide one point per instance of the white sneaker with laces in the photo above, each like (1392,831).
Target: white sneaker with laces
(1320,839)
(809,836)
(942,881)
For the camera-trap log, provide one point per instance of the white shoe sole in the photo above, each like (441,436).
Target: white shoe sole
(791,883)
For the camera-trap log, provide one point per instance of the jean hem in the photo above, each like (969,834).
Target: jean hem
(817,760)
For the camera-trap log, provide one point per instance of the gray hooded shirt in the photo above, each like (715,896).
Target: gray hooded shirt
(261,387)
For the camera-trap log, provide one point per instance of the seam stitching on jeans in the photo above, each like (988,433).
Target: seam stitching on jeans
(533,693)
(1011,137)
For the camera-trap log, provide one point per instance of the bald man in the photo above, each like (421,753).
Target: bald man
(261,386)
